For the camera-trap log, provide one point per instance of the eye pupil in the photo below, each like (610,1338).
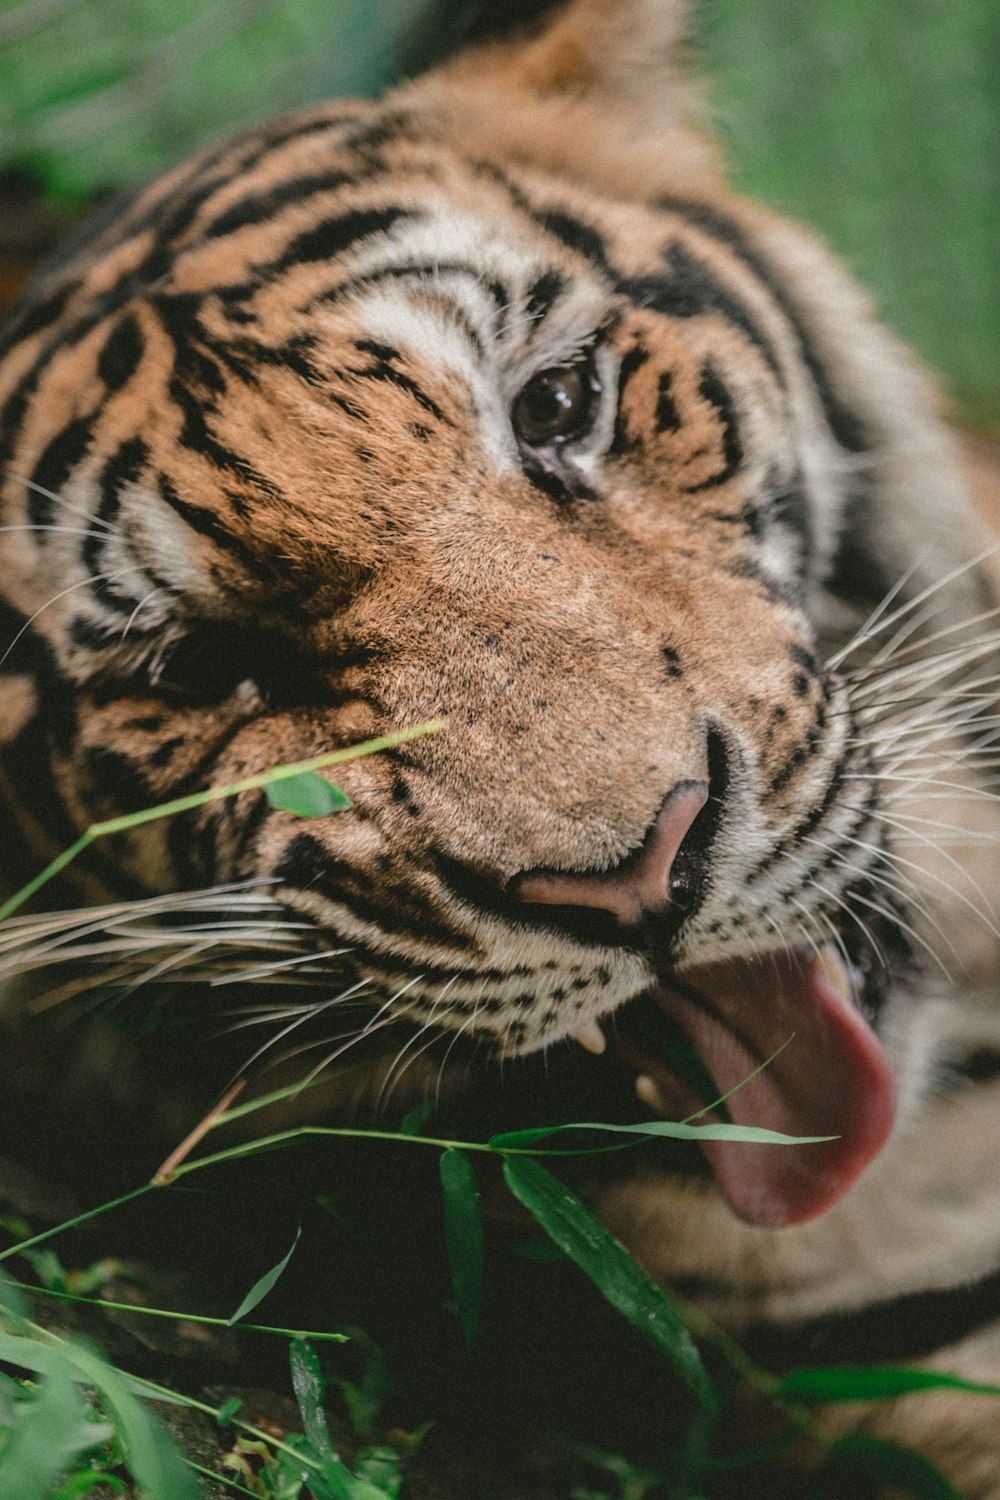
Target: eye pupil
(555,405)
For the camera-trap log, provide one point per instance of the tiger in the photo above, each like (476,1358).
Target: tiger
(489,403)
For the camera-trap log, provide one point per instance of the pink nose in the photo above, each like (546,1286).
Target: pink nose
(641,884)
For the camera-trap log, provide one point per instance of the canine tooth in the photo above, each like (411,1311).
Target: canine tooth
(649,1094)
(591,1038)
(831,966)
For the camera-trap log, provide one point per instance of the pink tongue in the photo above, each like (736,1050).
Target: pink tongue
(831,1079)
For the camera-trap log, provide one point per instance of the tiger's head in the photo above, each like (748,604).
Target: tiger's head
(490,403)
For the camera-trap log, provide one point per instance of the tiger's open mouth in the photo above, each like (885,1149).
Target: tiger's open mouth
(786,1033)
(783,1031)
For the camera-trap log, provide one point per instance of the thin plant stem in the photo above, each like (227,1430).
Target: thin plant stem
(180,1317)
(213,794)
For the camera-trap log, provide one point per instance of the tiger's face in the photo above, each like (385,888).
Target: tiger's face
(367,419)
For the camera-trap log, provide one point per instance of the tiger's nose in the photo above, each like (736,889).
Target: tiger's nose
(645,883)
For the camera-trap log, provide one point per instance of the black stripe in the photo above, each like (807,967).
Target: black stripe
(561,482)
(206,523)
(789,508)
(383,369)
(856,575)
(714,390)
(123,349)
(845,423)
(667,416)
(123,467)
(117,779)
(494,20)
(434,270)
(332,237)
(259,207)
(907,1327)
(29,317)
(379,129)
(281,132)
(632,360)
(58,460)
(584,239)
(307,865)
(686,288)
(543,295)
(811,822)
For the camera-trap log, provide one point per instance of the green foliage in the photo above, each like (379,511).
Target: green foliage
(463,1227)
(45,1434)
(871,1383)
(376,1475)
(877,122)
(48,1430)
(307,795)
(94,97)
(599,1255)
(265,1283)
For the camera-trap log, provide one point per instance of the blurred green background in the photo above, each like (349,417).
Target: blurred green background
(875,121)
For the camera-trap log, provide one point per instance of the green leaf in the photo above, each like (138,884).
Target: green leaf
(600,1256)
(380,1467)
(228,1410)
(308,795)
(310,1390)
(518,1139)
(463,1226)
(51,1434)
(334,1481)
(849,1383)
(320,1475)
(416,1118)
(11,1300)
(84,1482)
(264,1284)
(365,1398)
(892,1463)
(677,1130)
(157,1467)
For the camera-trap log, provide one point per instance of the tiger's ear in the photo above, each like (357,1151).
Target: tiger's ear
(595,88)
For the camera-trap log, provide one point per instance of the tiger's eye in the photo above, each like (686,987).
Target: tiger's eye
(554,406)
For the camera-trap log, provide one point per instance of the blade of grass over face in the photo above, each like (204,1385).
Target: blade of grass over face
(871,1383)
(676,1130)
(599,1255)
(307,795)
(214,794)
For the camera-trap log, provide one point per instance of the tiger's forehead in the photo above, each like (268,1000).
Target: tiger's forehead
(312,304)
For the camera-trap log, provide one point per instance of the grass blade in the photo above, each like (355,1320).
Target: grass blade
(156,1465)
(676,1130)
(612,1270)
(264,1284)
(51,1433)
(850,1383)
(891,1463)
(310,1390)
(463,1228)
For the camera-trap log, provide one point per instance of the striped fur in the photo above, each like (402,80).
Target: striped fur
(262,497)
